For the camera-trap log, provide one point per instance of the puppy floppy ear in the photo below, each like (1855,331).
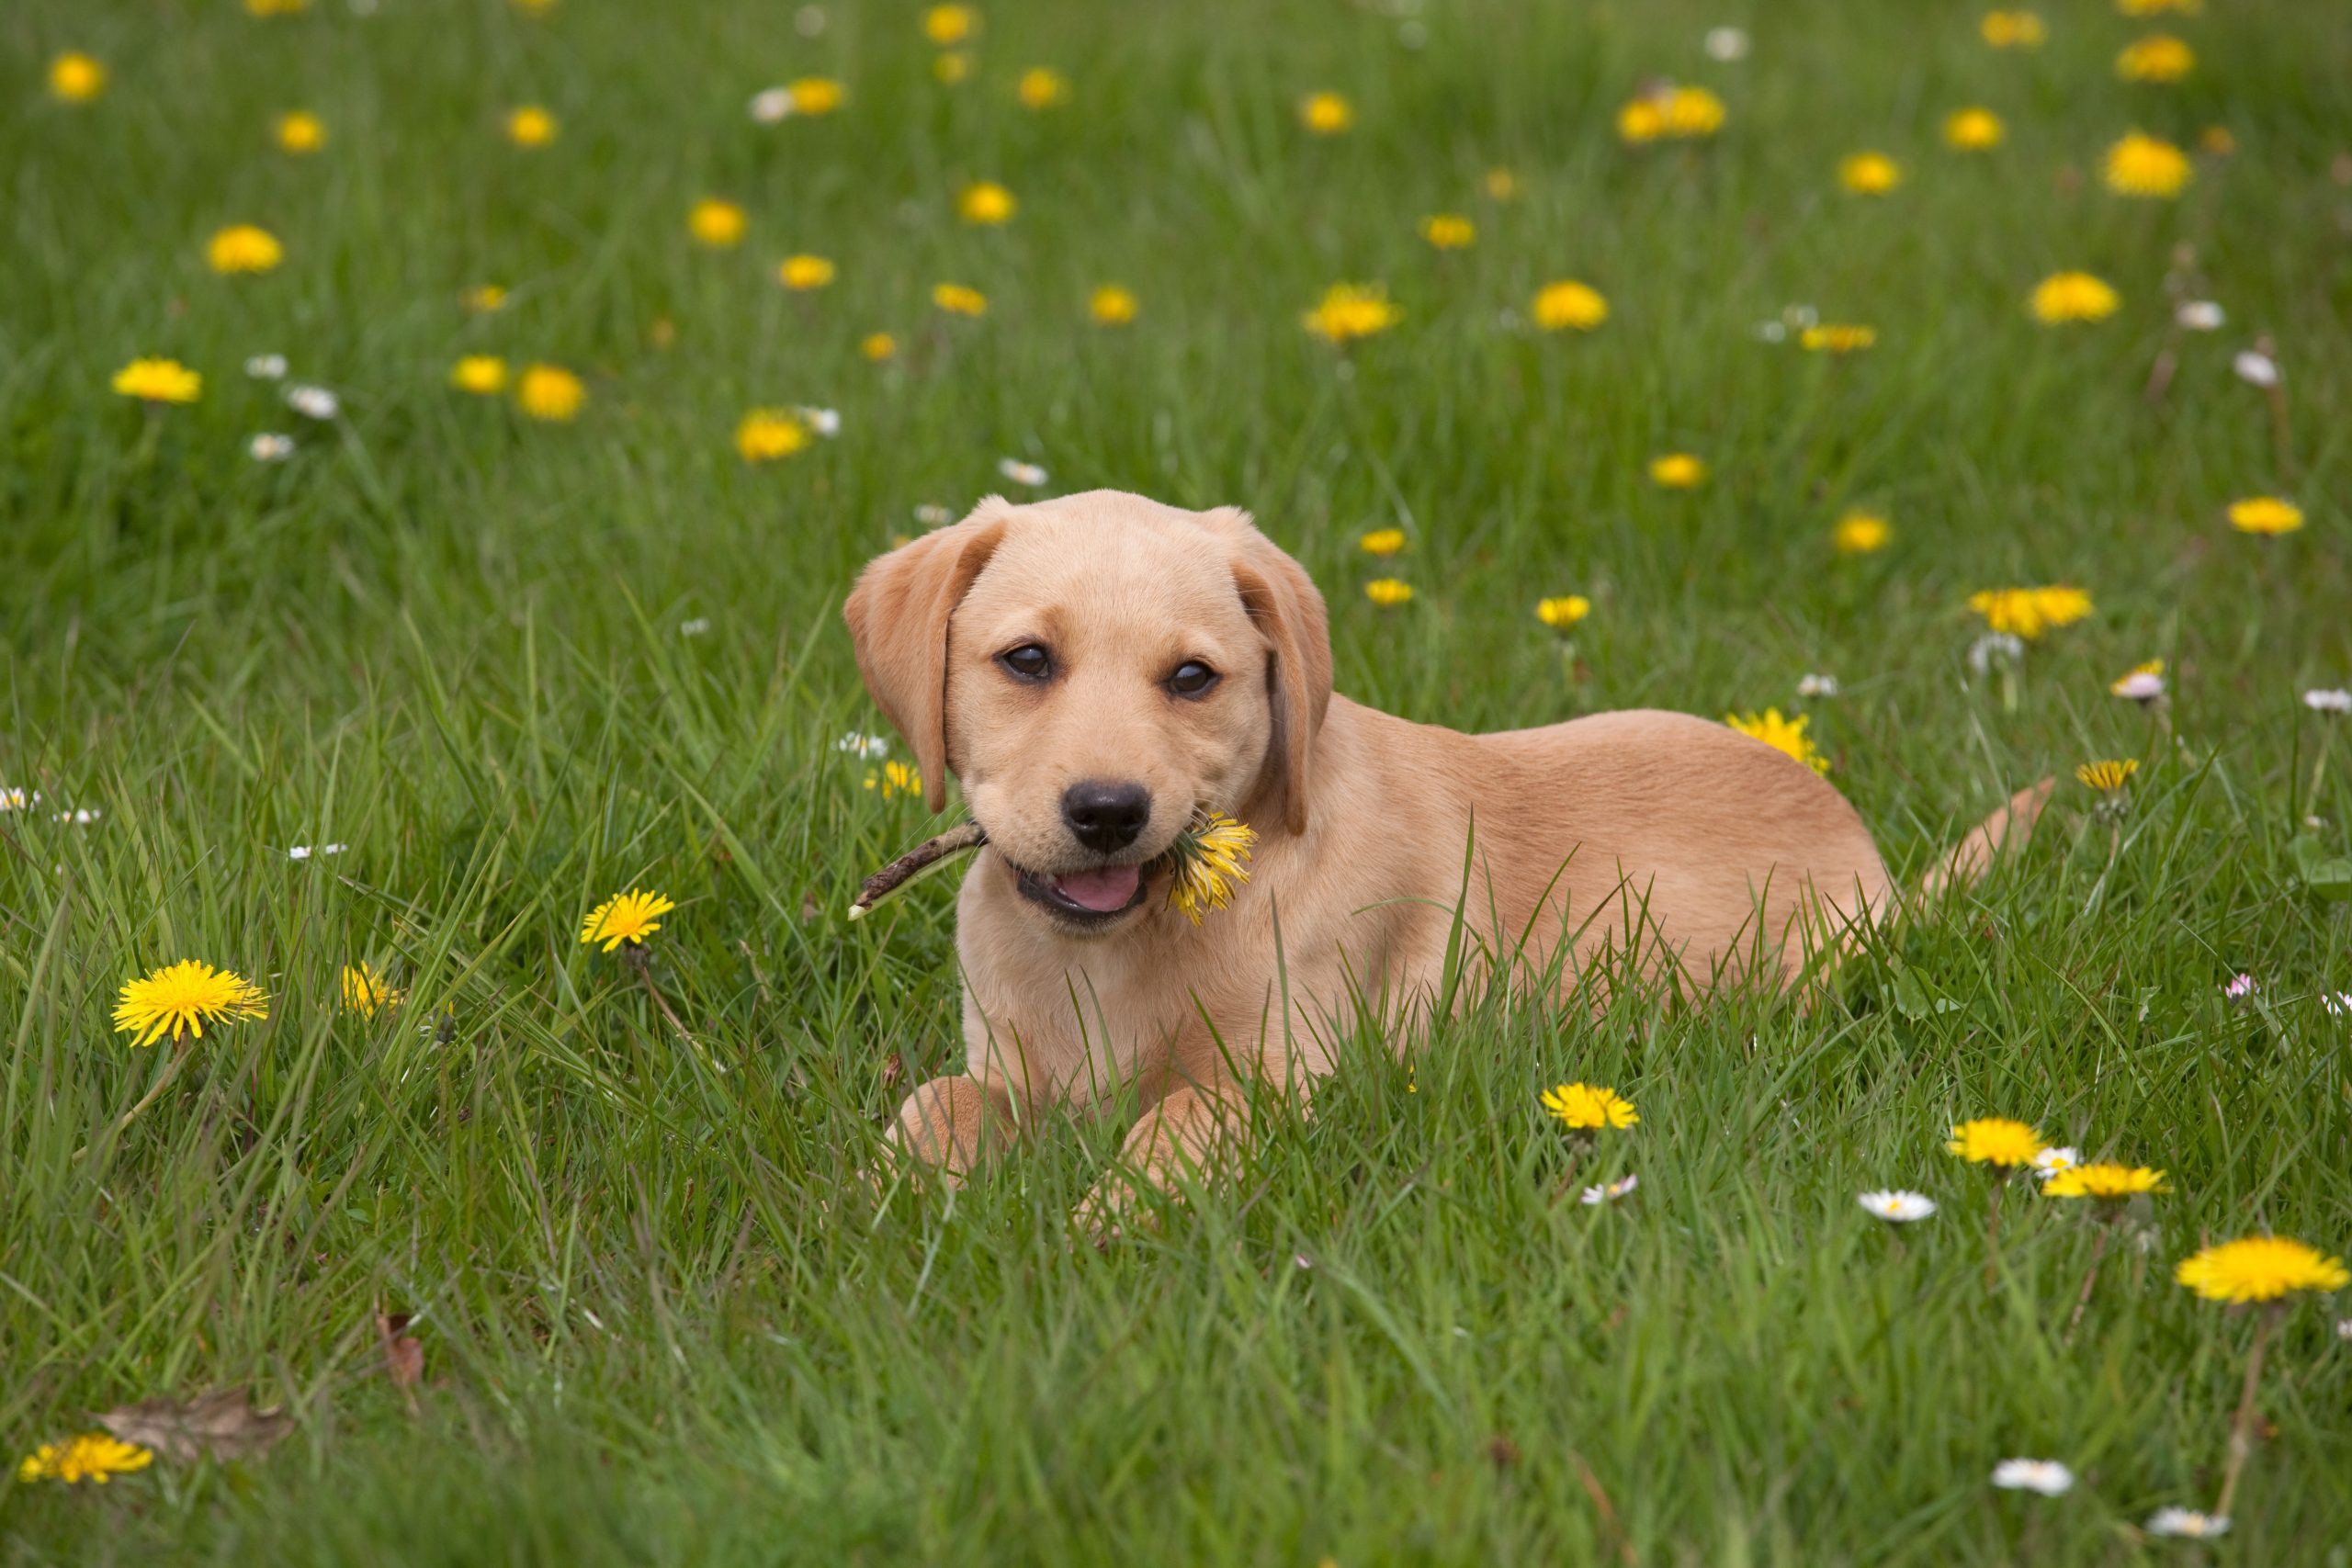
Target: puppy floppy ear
(897,618)
(1282,599)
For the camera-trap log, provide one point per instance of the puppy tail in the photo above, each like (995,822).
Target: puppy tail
(2012,825)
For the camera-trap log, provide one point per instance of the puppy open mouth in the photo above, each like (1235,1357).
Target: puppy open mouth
(1091,897)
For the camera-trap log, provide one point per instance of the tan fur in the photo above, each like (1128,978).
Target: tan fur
(1700,853)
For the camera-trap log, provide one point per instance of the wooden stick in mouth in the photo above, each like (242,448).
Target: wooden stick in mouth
(915,864)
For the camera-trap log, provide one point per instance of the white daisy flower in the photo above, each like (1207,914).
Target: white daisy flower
(1726,44)
(1772,331)
(2344,1328)
(2046,1476)
(2187,1522)
(1021,473)
(17,800)
(2198,315)
(2328,700)
(1609,1192)
(770,105)
(266,366)
(873,748)
(2256,368)
(313,402)
(304,851)
(2337,1003)
(1817,686)
(270,447)
(2050,1162)
(698,626)
(80,816)
(932,515)
(824,421)
(809,21)
(2241,986)
(1898,1207)
(2139,686)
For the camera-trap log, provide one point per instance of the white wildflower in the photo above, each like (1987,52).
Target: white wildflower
(2007,648)
(2050,1162)
(1817,686)
(2326,700)
(1609,1191)
(304,851)
(873,748)
(772,103)
(824,421)
(1898,1207)
(1021,473)
(2187,1522)
(17,800)
(266,366)
(2198,315)
(809,21)
(932,515)
(2256,368)
(698,626)
(1726,44)
(270,447)
(2046,1476)
(312,402)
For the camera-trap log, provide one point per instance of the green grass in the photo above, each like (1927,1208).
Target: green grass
(661,1319)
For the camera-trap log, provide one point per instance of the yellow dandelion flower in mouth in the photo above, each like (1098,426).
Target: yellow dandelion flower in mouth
(1868,173)
(1326,114)
(2013,29)
(802,272)
(1381,542)
(1388,592)
(1351,310)
(159,381)
(2109,775)
(94,1456)
(987,203)
(2144,165)
(1568,305)
(75,78)
(957,300)
(1973,130)
(2159,57)
(945,25)
(1786,736)
(2108,1183)
(367,992)
(895,779)
(1834,337)
(243,248)
(1677,471)
(1206,863)
(551,393)
(1561,613)
(2072,297)
(531,126)
(1859,534)
(2265,514)
(877,346)
(1448,232)
(177,1001)
(1996,1141)
(2260,1268)
(300,132)
(717,223)
(766,435)
(1587,1109)
(814,94)
(483,375)
(1112,305)
(1042,87)
(629,917)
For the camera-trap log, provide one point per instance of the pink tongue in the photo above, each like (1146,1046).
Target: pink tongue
(1102,890)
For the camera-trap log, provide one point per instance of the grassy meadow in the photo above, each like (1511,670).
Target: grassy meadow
(483,669)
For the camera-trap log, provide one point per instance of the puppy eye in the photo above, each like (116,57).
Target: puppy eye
(1191,678)
(1027,663)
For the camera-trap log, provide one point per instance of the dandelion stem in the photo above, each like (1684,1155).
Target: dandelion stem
(639,962)
(2242,1429)
(1993,1233)
(2090,1277)
(163,1081)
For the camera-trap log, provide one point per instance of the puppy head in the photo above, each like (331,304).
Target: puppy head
(1096,668)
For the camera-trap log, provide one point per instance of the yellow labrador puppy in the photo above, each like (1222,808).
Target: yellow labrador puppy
(1096,668)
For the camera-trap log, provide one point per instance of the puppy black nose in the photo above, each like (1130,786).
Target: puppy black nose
(1105,816)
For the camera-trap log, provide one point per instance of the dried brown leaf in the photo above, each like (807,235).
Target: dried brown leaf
(403,1353)
(222,1424)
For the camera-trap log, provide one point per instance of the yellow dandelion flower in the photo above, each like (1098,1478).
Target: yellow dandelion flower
(1677,471)
(1786,736)
(1112,305)
(957,300)
(1501,184)
(300,132)
(717,223)
(1834,337)
(1326,114)
(2072,297)
(1587,1109)
(2108,1183)
(276,7)
(1567,305)
(2142,682)
(1351,310)
(1388,592)
(94,1456)
(2146,167)
(75,77)
(2108,776)
(2158,7)
(952,67)
(986,202)
(1860,533)
(1643,120)
(1996,1141)
(2028,612)
(2260,1268)
(625,917)
(366,992)
(1973,129)
(895,779)
(877,346)
(1206,863)
(482,298)
(766,435)
(815,95)
(1042,87)
(1449,230)
(531,126)
(1382,542)
(2159,57)
(551,393)
(2060,604)
(1560,614)
(2013,29)
(159,381)
(802,272)
(483,375)
(1692,113)
(180,999)
(243,248)
(945,25)
(2265,514)
(1868,173)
